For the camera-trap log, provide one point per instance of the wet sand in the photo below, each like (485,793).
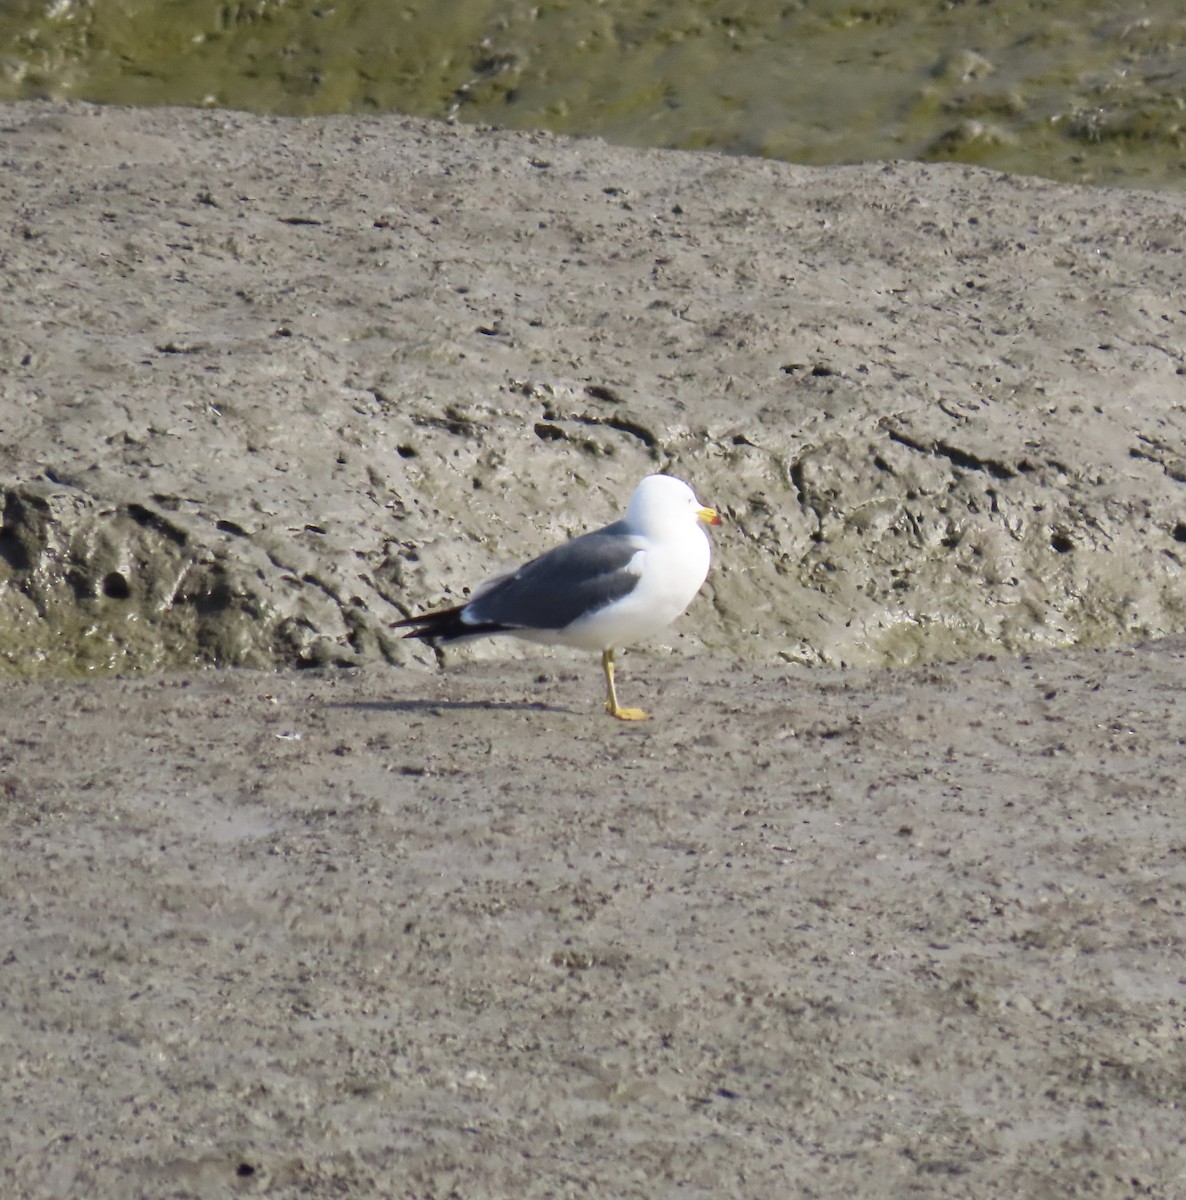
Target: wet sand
(806,933)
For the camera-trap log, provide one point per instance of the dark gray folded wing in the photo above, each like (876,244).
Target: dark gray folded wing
(559,587)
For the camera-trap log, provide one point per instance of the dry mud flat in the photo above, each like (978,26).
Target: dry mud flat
(807,933)
(267,384)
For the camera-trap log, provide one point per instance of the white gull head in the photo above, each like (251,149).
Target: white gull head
(661,503)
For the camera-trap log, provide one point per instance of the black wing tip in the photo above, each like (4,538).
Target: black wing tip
(431,626)
(444,625)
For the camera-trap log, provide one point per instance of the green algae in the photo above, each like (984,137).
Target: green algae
(1083,95)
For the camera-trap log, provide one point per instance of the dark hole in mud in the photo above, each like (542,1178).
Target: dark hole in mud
(217,599)
(1061,543)
(244,1170)
(406,451)
(115,586)
(13,552)
(548,433)
(1179,534)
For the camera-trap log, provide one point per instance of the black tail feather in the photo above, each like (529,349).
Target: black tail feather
(445,625)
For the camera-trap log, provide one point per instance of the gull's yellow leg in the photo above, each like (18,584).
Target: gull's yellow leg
(611,696)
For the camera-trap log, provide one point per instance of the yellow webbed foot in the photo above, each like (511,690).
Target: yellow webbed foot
(611,696)
(626,714)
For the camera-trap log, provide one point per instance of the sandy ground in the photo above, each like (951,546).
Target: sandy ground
(806,933)
(391,931)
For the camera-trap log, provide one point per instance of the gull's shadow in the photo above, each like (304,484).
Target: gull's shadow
(451,705)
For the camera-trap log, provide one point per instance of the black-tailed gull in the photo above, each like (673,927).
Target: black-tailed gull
(600,591)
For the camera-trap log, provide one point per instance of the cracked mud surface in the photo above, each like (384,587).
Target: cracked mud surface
(269,384)
(806,933)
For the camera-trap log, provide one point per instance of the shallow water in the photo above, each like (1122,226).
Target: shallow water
(1080,93)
